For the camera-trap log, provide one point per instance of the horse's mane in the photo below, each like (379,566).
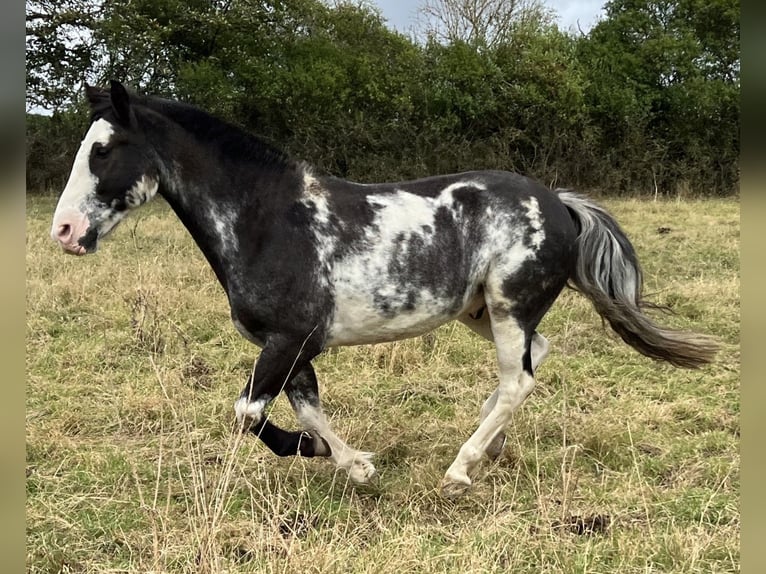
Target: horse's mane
(234,142)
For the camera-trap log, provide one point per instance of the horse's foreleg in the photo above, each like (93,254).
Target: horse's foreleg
(285,443)
(303,393)
(280,441)
(276,366)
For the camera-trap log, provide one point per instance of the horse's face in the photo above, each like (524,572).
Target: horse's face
(113,173)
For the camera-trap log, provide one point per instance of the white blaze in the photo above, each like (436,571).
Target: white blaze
(82,183)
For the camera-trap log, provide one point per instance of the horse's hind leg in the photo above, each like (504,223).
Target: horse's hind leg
(538,351)
(303,393)
(515,384)
(540,346)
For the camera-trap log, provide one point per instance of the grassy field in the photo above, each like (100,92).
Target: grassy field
(614,464)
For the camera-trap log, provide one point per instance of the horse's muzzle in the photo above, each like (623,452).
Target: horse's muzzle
(68,227)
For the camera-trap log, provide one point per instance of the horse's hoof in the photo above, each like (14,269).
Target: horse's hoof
(451,488)
(495,448)
(362,471)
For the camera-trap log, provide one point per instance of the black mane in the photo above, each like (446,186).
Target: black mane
(233,142)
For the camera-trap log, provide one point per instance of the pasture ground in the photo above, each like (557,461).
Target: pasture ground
(614,464)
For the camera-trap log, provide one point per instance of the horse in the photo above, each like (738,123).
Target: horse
(310,261)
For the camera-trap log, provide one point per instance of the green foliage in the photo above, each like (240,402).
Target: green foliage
(663,88)
(648,101)
(59,49)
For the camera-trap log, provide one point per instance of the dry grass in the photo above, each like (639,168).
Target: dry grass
(614,464)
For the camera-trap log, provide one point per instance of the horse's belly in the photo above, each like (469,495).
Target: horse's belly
(362,319)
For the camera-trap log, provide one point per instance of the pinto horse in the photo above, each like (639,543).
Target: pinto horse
(310,261)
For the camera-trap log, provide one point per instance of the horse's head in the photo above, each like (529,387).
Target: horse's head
(114,171)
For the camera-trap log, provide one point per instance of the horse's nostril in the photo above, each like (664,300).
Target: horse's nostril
(65,230)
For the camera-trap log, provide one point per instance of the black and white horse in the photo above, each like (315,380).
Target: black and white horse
(310,262)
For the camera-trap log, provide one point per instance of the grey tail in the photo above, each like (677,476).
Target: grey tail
(609,274)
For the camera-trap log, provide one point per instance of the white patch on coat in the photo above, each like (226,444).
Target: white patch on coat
(322,208)
(324,236)
(245,409)
(224,221)
(81,185)
(460,184)
(504,232)
(142,192)
(311,186)
(535,221)
(357,463)
(363,274)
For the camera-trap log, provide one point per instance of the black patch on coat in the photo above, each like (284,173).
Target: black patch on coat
(90,239)
(432,261)
(468,199)
(536,284)
(301,214)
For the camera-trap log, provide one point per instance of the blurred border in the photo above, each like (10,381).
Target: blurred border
(13,324)
(752,273)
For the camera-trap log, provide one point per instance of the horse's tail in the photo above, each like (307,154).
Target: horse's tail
(609,274)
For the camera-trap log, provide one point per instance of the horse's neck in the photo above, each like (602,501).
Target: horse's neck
(210,198)
(201,227)
(203,201)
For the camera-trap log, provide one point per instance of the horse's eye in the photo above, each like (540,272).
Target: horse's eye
(102,151)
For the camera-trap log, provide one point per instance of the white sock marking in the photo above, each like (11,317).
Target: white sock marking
(357,463)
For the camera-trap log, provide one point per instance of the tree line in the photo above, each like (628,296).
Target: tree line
(646,102)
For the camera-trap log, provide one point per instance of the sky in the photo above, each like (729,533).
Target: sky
(401,14)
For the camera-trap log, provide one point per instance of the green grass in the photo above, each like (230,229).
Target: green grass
(615,463)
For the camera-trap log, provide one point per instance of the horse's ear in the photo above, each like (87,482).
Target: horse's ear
(120,101)
(95,95)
